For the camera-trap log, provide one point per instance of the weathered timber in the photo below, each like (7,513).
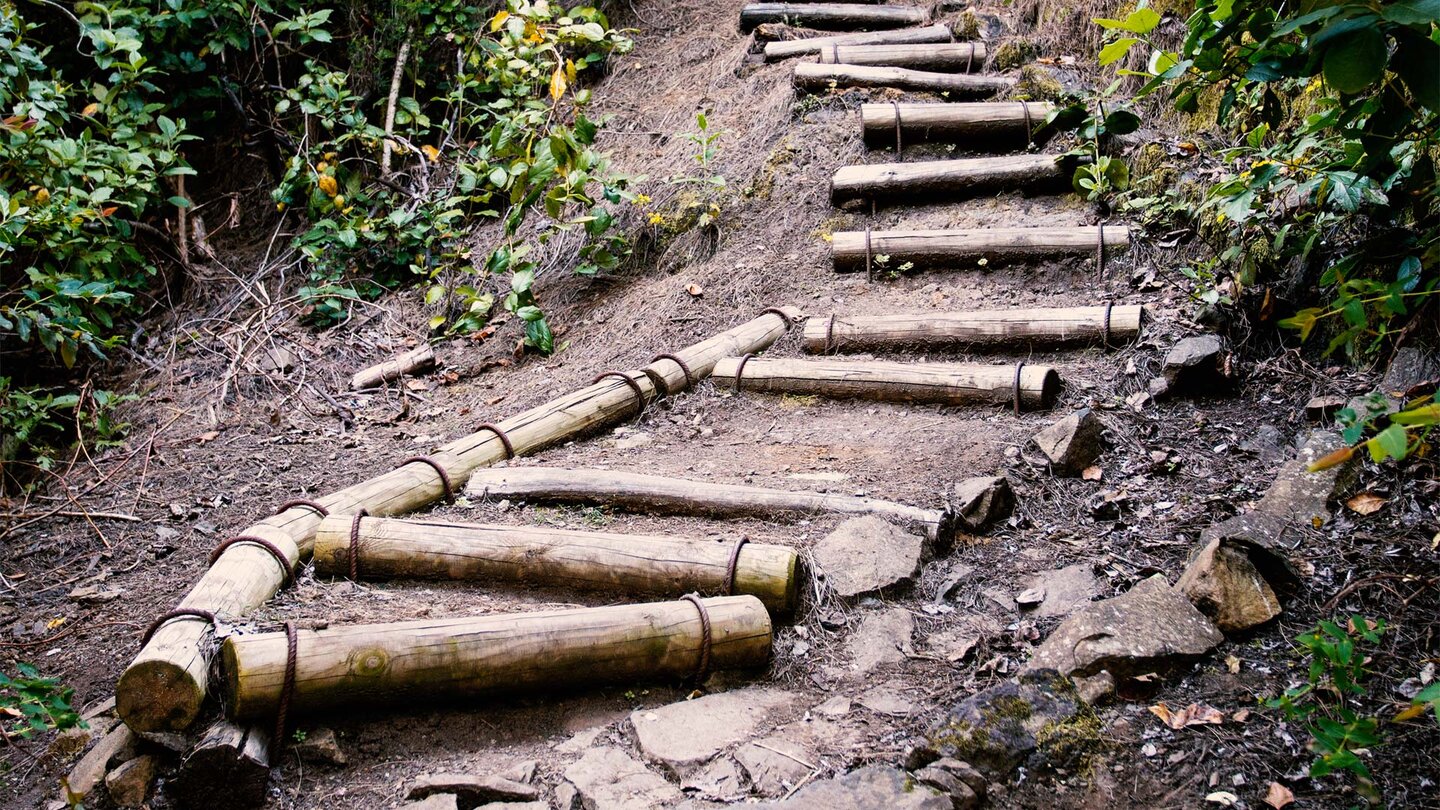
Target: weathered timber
(228,768)
(1035,386)
(432,659)
(636,564)
(948,178)
(1000,328)
(658,494)
(832,16)
(164,686)
(419,358)
(950,57)
(775,51)
(852,251)
(993,124)
(815,77)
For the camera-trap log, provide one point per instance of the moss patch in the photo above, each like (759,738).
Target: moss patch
(1014,53)
(1036,84)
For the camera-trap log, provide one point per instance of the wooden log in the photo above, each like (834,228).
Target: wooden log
(430,659)
(418,358)
(640,564)
(813,77)
(164,686)
(1008,124)
(679,496)
(1035,386)
(957,247)
(965,177)
(228,768)
(832,16)
(947,57)
(775,51)
(1001,328)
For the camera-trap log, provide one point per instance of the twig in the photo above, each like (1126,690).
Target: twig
(787,756)
(97,515)
(387,146)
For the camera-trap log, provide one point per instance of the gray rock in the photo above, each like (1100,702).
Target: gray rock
(981,501)
(321,746)
(1226,587)
(473,789)
(837,706)
(1002,727)
(961,796)
(440,801)
(87,774)
(868,555)
(877,787)
(887,699)
(523,771)
(607,779)
(965,772)
(1073,443)
(774,764)
(1143,630)
(1196,365)
(720,779)
(516,806)
(1062,591)
(130,784)
(1411,366)
(883,637)
(1323,409)
(683,736)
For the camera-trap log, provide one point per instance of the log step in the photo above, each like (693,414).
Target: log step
(813,77)
(832,16)
(635,564)
(1002,124)
(1107,324)
(775,51)
(663,495)
(857,251)
(949,178)
(431,659)
(952,57)
(1021,386)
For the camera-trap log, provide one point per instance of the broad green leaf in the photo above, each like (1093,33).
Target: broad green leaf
(1139,21)
(1116,50)
(1388,443)
(1356,60)
(1411,12)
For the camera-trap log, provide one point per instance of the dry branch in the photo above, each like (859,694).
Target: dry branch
(417,359)
(678,496)
(1008,124)
(1005,328)
(954,248)
(1034,386)
(164,686)
(813,77)
(632,564)
(429,659)
(948,178)
(832,16)
(775,51)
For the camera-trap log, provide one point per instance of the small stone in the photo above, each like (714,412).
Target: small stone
(130,783)
(1142,630)
(473,789)
(70,742)
(1030,597)
(961,796)
(1196,365)
(867,555)
(684,736)
(91,769)
(721,779)
(523,771)
(1223,583)
(1323,409)
(774,764)
(537,805)
(882,638)
(837,706)
(321,746)
(982,501)
(966,773)
(999,728)
(93,595)
(876,787)
(887,700)
(607,779)
(1073,443)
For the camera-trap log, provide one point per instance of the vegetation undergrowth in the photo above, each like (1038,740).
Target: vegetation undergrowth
(393,127)
(30,704)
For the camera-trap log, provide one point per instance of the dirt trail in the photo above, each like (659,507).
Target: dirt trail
(777,152)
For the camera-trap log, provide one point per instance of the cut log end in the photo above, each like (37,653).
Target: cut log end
(1039,387)
(156,694)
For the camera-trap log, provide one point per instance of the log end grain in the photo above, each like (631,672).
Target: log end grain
(156,694)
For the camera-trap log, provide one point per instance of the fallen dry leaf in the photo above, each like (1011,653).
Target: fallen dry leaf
(1093,473)
(1366,503)
(1033,596)
(695,290)
(1233,664)
(207,437)
(1278,795)
(1224,798)
(1241,716)
(1192,715)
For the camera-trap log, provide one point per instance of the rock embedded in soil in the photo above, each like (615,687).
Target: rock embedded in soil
(982,501)
(684,736)
(129,784)
(1061,591)
(961,796)
(1008,725)
(473,789)
(883,637)
(1073,443)
(720,779)
(774,764)
(876,787)
(608,779)
(1225,586)
(321,746)
(1146,629)
(1323,409)
(867,555)
(1195,365)
(440,801)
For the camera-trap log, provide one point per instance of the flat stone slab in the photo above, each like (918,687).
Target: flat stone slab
(876,787)
(774,764)
(608,779)
(1143,630)
(1062,591)
(473,788)
(683,736)
(881,638)
(868,555)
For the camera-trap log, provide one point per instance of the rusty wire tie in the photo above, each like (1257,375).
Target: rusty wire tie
(689,376)
(177,613)
(630,381)
(274,550)
(499,434)
(728,588)
(353,555)
(1029,128)
(1015,392)
(740,369)
(287,687)
(439,470)
(830,337)
(899,144)
(970,60)
(702,668)
(1100,249)
(784,316)
(1105,337)
(288,505)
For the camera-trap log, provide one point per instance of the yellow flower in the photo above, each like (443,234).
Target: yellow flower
(327,184)
(642,199)
(42,196)
(279,206)
(657,219)
(431,152)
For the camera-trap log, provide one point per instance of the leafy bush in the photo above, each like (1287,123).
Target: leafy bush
(30,704)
